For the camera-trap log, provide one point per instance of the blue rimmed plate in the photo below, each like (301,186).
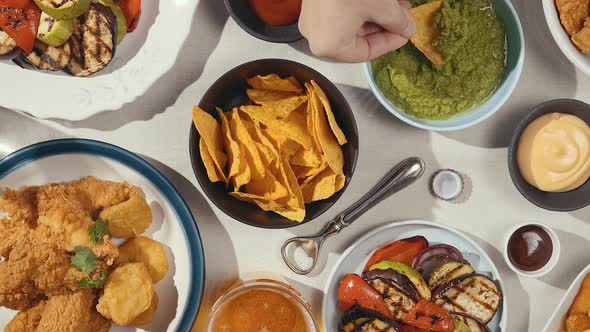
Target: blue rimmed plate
(181,290)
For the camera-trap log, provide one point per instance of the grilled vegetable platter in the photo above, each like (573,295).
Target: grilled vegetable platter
(425,277)
(79,37)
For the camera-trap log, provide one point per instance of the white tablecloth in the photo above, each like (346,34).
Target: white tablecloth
(156,126)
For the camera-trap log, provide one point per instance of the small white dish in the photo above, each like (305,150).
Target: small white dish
(355,257)
(555,323)
(143,57)
(552,261)
(579,59)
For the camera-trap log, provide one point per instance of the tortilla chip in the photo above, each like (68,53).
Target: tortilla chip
(294,126)
(275,83)
(267,205)
(267,149)
(239,171)
(303,173)
(241,134)
(209,163)
(307,157)
(331,119)
(426,30)
(328,143)
(321,186)
(279,103)
(211,132)
(269,187)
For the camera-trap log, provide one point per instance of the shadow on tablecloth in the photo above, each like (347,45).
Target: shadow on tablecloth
(220,257)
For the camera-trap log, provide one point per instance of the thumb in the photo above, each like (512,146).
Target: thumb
(380,43)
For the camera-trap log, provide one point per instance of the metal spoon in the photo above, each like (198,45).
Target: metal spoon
(398,178)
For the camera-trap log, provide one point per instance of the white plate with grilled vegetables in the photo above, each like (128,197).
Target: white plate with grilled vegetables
(86,56)
(414,274)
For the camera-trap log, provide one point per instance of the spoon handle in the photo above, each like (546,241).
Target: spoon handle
(398,178)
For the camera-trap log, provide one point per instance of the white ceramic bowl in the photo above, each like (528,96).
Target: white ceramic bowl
(555,323)
(579,59)
(552,261)
(140,60)
(355,257)
(514,64)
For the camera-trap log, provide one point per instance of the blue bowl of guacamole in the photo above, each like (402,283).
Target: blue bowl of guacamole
(482,43)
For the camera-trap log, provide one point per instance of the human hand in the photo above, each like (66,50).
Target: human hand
(356,30)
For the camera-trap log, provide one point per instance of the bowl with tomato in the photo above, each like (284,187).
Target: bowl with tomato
(86,56)
(415,276)
(270,20)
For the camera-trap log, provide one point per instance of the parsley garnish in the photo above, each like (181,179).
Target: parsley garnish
(98,230)
(97,282)
(84,260)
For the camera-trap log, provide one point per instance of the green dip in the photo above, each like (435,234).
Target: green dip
(473,44)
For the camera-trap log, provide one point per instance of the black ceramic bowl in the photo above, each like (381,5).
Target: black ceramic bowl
(228,92)
(566,201)
(241,12)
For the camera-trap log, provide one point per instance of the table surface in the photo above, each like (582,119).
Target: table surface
(156,126)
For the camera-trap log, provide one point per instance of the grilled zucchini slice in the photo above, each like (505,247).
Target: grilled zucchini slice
(54,32)
(64,9)
(473,324)
(93,42)
(475,295)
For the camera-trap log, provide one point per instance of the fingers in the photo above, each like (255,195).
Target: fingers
(393,17)
(369,28)
(405,4)
(383,42)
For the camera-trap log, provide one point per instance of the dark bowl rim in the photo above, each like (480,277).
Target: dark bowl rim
(532,115)
(193,145)
(278,40)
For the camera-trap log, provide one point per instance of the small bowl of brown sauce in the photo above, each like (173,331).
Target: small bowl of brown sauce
(532,249)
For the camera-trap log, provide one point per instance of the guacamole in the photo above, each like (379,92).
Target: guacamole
(473,44)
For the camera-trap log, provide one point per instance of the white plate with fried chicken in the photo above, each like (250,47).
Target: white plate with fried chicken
(91,240)
(569,23)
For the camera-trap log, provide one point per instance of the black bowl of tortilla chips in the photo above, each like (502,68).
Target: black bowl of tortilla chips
(273,143)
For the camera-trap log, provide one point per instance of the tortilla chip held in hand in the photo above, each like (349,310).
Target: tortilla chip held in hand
(426,30)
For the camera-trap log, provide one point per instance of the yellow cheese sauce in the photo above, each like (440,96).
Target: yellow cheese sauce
(554,152)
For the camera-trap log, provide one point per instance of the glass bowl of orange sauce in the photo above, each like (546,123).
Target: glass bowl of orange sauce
(262,305)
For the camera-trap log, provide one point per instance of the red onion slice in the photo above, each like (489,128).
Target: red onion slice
(436,250)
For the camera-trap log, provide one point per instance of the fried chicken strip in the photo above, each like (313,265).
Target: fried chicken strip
(70,312)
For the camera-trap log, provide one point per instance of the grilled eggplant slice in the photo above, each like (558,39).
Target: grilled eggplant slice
(45,57)
(397,300)
(93,42)
(471,322)
(363,320)
(399,279)
(474,294)
(8,48)
(448,272)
